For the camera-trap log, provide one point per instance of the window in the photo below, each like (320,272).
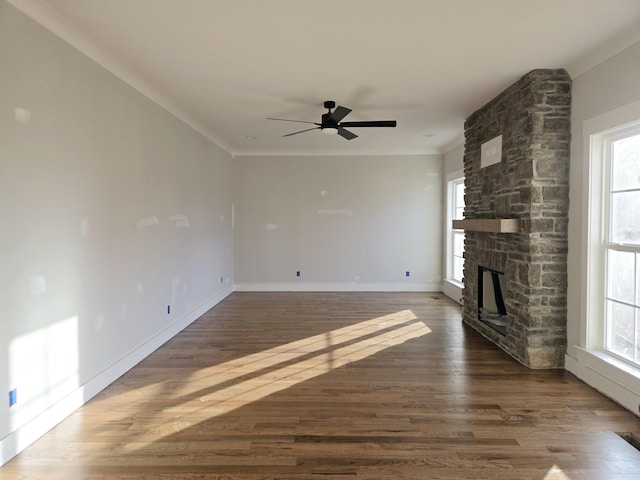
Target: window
(621,243)
(457,250)
(455,247)
(608,355)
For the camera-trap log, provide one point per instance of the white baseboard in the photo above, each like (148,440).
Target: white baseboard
(571,364)
(338,287)
(610,376)
(17,441)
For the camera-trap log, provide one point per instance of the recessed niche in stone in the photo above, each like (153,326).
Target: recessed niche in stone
(491,152)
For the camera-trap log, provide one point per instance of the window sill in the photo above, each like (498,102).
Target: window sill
(613,377)
(454,283)
(612,361)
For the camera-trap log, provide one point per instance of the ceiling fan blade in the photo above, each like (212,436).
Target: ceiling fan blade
(379,123)
(338,114)
(301,131)
(287,120)
(346,133)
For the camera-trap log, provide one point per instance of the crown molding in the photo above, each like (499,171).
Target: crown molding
(43,13)
(319,152)
(621,41)
(455,142)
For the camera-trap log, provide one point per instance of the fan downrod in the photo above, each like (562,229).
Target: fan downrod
(329,104)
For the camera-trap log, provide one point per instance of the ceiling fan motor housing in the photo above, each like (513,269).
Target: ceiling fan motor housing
(327,122)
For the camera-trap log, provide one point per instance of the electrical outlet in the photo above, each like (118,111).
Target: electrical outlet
(298,273)
(407,274)
(168,309)
(13,397)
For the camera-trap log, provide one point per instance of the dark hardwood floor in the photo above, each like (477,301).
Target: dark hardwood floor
(336,386)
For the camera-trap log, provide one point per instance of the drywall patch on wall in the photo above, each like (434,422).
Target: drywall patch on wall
(22,115)
(147,222)
(84,227)
(337,211)
(98,323)
(180,220)
(38,285)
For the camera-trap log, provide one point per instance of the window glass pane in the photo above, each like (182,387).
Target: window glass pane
(621,276)
(458,264)
(637,302)
(625,218)
(620,329)
(459,194)
(637,352)
(458,252)
(625,165)
(458,200)
(458,243)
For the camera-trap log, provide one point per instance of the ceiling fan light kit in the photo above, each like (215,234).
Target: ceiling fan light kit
(332,124)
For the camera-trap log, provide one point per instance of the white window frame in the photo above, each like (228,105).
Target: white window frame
(608,373)
(607,140)
(452,286)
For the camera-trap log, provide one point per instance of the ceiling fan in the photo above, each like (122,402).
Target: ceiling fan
(332,122)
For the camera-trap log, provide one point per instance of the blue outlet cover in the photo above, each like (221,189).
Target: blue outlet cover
(13,397)
(407,274)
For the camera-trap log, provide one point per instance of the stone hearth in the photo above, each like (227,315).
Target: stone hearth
(530,184)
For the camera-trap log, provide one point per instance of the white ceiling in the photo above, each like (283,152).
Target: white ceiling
(227,65)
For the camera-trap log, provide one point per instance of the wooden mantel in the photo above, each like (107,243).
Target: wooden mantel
(492,225)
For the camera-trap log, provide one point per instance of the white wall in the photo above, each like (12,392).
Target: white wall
(454,160)
(111,210)
(346,223)
(610,85)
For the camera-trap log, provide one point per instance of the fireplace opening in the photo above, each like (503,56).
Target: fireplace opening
(491,307)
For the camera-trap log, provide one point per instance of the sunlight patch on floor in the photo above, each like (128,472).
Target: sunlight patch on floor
(556,473)
(231,385)
(290,352)
(287,376)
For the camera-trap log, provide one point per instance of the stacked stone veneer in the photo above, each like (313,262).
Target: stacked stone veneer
(530,183)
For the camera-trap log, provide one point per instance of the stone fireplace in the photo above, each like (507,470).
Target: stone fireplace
(516,215)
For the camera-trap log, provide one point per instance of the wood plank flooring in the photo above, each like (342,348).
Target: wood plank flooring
(336,386)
